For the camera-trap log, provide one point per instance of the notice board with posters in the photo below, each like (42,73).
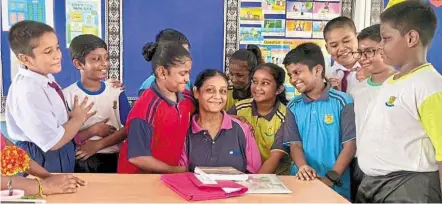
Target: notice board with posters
(277,26)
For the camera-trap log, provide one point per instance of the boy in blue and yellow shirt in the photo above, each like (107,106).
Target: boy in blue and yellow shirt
(325,144)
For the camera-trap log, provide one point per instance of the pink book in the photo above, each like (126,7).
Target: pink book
(188,186)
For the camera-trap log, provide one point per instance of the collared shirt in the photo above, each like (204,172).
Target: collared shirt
(34,110)
(403,130)
(151,79)
(264,127)
(324,125)
(157,127)
(363,94)
(337,69)
(109,102)
(233,98)
(233,146)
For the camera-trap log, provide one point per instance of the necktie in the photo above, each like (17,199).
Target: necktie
(58,90)
(344,81)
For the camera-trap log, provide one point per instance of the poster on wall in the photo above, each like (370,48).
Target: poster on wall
(82,17)
(279,26)
(14,11)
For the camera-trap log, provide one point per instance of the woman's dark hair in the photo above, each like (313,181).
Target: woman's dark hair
(207,74)
(278,74)
(203,77)
(166,54)
(252,55)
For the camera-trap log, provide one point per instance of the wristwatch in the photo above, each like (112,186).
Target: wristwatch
(334,177)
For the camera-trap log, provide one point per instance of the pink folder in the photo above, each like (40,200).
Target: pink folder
(190,188)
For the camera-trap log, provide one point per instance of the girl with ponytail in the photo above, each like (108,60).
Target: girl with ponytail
(242,63)
(158,122)
(266,112)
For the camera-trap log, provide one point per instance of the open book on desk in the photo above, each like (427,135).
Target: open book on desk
(265,184)
(221,173)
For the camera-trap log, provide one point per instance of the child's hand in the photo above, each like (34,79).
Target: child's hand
(306,173)
(88,149)
(335,83)
(116,83)
(81,111)
(61,183)
(102,129)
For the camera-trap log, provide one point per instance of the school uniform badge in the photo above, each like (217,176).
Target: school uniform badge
(328,119)
(390,102)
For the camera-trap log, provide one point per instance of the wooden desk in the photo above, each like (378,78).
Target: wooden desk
(116,188)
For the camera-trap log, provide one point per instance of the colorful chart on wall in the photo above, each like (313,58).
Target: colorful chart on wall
(14,11)
(277,26)
(82,17)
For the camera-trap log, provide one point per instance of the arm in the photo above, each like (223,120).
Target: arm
(348,138)
(252,152)
(139,152)
(430,112)
(29,186)
(278,149)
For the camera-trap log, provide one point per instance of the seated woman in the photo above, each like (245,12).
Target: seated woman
(215,139)
(50,183)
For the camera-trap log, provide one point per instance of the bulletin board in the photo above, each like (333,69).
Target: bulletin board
(278,26)
(202,21)
(39,10)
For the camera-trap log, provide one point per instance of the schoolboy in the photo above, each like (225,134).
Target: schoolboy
(369,54)
(326,142)
(97,152)
(341,42)
(36,114)
(400,145)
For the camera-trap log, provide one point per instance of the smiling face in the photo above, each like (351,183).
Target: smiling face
(370,60)
(341,42)
(46,57)
(96,64)
(302,78)
(212,95)
(264,87)
(177,76)
(239,74)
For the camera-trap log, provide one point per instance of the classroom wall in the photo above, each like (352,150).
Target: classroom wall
(69,73)
(202,21)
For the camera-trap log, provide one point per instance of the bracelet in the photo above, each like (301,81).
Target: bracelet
(40,189)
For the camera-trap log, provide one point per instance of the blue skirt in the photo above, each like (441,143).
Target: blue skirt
(58,161)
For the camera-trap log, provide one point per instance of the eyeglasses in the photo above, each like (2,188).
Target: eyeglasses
(368,53)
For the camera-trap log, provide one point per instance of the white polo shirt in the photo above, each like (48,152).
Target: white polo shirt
(339,69)
(109,102)
(34,110)
(363,94)
(403,127)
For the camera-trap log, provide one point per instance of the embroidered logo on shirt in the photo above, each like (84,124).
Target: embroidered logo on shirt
(328,119)
(390,102)
(235,153)
(115,105)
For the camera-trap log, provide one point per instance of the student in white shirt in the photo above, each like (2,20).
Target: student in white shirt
(365,92)
(97,152)
(341,43)
(36,115)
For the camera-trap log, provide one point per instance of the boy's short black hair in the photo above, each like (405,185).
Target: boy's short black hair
(412,15)
(82,45)
(309,54)
(23,36)
(172,35)
(339,22)
(372,33)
